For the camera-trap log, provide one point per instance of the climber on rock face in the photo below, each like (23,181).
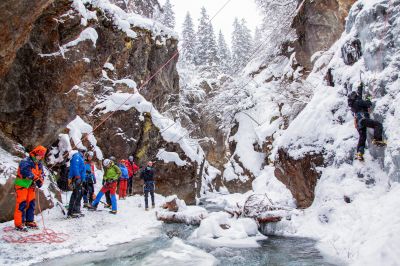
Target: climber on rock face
(111,175)
(30,175)
(362,120)
(147,174)
(76,179)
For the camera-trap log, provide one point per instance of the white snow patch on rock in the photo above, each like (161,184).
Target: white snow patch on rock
(180,253)
(168,157)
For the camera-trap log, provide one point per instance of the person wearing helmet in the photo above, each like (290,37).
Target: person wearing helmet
(147,174)
(108,197)
(76,178)
(29,176)
(123,180)
(132,170)
(111,175)
(362,120)
(88,191)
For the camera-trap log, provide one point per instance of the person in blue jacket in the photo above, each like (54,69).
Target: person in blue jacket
(77,176)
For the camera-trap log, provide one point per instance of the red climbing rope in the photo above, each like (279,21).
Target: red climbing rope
(47,236)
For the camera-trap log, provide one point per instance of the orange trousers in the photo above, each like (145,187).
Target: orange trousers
(24,205)
(123,185)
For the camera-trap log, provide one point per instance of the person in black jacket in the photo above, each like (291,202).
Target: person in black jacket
(362,120)
(147,174)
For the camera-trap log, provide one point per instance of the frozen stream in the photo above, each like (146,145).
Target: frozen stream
(171,247)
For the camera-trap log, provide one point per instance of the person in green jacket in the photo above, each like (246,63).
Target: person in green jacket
(111,175)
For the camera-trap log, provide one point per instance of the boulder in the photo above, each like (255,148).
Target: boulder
(7,199)
(299,175)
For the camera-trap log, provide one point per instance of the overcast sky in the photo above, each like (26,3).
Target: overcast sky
(246,9)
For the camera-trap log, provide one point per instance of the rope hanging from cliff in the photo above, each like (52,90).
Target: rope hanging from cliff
(47,236)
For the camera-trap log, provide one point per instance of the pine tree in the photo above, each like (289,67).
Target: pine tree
(257,40)
(168,15)
(224,54)
(247,42)
(241,45)
(206,46)
(236,49)
(188,39)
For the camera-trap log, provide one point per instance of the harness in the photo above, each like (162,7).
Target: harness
(26,182)
(149,186)
(360,117)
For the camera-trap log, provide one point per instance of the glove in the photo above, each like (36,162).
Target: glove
(70,187)
(78,181)
(369,97)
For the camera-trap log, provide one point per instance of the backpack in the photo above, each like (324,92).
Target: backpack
(62,181)
(351,99)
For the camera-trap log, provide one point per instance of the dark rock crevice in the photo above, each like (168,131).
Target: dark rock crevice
(299,175)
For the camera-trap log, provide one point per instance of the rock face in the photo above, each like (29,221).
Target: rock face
(38,99)
(299,176)
(351,51)
(7,200)
(16,20)
(125,133)
(45,84)
(318,25)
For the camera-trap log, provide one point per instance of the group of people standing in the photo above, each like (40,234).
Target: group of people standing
(120,175)
(81,180)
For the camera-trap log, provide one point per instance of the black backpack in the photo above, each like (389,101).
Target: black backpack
(62,181)
(351,99)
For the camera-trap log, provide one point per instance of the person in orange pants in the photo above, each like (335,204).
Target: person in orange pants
(30,175)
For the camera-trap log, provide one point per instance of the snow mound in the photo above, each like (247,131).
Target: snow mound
(189,215)
(176,211)
(180,254)
(220,230)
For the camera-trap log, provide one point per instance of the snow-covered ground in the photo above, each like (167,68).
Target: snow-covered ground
(94,232)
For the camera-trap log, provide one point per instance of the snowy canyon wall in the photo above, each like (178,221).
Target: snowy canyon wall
(274,94)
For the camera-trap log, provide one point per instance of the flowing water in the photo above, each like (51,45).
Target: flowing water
(172,247)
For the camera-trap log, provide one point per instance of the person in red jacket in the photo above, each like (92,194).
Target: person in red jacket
(30,175)
(132,170)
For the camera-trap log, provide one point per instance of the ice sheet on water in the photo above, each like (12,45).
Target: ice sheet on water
(179,254)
